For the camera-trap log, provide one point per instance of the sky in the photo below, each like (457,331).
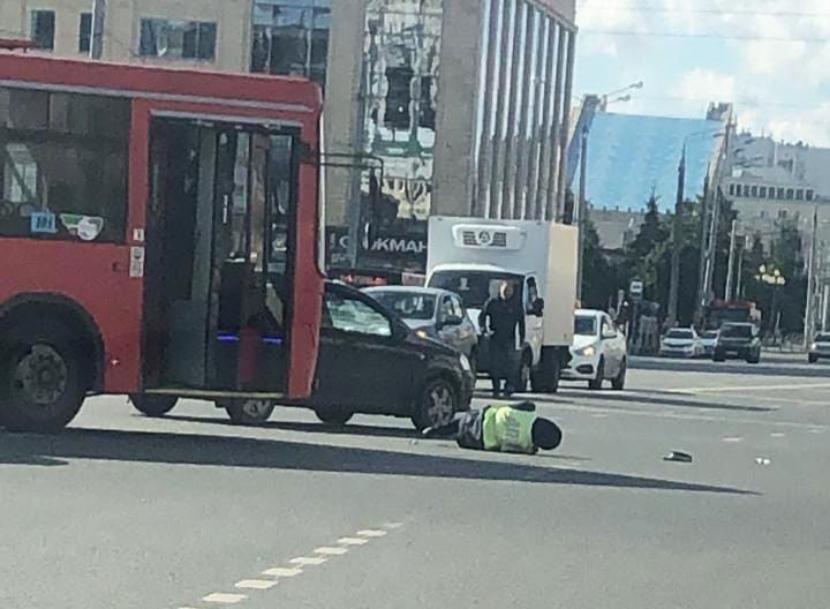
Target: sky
(771,58)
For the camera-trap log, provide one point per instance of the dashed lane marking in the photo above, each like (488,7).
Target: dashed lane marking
(224,598)
(777,434)
(307,561)
(393,525)
(282,572)
(371,533)
(728,389)
(352,541)
(256,584)
(330,551)
(733,439)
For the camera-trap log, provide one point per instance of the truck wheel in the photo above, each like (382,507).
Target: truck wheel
(719,357)
(545,379)
(43,379)
(436,406)
(331,415)
(153,405)
(524,374)
(618,382)
(248,412)
(596,383)
(812,358)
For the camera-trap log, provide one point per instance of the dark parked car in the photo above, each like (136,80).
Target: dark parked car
(739,341)
(371,362)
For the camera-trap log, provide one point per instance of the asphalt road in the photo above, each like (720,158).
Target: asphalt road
(126,512)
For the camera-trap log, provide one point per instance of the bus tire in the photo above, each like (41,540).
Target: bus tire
(43,377)
(153,405)
(332,415)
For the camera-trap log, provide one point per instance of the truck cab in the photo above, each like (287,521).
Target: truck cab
(472,256)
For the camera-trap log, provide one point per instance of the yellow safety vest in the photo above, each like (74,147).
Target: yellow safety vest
(508,430)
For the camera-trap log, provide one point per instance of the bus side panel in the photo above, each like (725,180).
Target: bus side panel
(97,278)
(308,280)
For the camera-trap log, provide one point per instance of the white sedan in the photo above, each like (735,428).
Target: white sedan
(599,351)
(681,342)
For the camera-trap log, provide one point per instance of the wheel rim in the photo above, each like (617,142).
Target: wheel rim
(441,406)
(41,376)
(256,409)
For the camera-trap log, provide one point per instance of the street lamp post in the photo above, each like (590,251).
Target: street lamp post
(772,277)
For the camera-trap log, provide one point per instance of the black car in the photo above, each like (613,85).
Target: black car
(738,340)
(372,363)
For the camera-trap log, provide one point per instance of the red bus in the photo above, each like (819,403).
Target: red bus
(159,236)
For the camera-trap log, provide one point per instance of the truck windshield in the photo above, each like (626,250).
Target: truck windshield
(474,287)
(736,331)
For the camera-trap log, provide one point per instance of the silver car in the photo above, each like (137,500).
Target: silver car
(436,313)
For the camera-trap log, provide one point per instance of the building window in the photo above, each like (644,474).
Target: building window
(753,191)
(291,37)
(171,39)
(809,195)
(780,193)
(762,192)
(782,214)
(799,194)
(43,29)
(732,190)
(85,33)
(63,165)
(790,194)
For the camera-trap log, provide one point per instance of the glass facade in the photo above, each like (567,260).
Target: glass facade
(401,69)
(521,111)
(291,37)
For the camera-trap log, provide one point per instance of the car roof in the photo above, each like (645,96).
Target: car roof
(408,290)
(475,267)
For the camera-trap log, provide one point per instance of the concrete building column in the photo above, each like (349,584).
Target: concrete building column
(461,49)
(488,79)
(502,101)
(344,105)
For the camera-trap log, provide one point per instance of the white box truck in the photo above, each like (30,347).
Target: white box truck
(472,256)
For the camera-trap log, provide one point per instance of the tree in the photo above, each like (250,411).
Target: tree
(599,278)
(644,253)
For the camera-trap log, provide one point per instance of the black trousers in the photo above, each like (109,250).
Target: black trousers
(501,364)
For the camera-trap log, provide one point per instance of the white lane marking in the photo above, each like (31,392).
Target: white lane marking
(393,525)
(752,388)
(282,572)
(224,598)
(777,434)
(371,533)
(733,439)
(816,430)
(600,415)
(256,584)
(307,560)
(352,541)
(329,551)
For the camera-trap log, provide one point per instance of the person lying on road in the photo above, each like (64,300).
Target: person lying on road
(506,428)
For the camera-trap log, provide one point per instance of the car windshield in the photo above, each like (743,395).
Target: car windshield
(711,335)
(474,287)
(736,331)
(680,334)
(409,305)
(585,325)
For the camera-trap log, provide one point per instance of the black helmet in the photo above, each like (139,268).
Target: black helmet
(546,434)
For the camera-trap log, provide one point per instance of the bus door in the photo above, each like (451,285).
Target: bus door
(219,244)
(251,288)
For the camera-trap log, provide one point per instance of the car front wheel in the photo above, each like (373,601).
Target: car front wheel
(618,382)
(812,358)
(436,405)
(596,383)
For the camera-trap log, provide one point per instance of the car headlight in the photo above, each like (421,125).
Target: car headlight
(813,347)
(465,363)
(589,351)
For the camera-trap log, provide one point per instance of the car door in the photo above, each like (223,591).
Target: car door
(534,325)
(610,346)
(467,337)
(365,363)
(446,322)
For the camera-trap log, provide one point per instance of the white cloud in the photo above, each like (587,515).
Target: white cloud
(706,84)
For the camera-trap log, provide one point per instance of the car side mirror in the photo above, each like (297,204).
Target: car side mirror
(537,308)
(449,320)
(609,334)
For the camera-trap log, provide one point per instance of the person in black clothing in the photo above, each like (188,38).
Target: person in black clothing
(498,320)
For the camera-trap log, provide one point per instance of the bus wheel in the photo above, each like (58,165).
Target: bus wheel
(43,381)
(249,412)
(153,405)
(331,415)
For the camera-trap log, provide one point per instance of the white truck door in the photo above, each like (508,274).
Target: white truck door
(534,326)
